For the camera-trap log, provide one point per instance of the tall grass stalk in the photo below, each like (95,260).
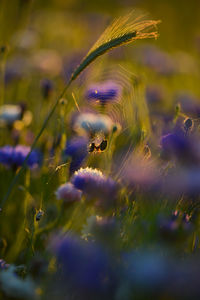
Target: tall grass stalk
(122,31)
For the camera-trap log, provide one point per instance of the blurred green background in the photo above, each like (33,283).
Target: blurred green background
(180,19)
(48,39)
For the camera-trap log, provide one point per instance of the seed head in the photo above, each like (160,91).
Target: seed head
(188,124)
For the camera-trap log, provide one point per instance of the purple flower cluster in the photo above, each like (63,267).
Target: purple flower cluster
(181,147)
(104,93)
(68,193)
(86,266)
(15,156)
(77,151)
(94,184)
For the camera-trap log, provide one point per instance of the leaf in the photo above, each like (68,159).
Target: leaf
(122,31)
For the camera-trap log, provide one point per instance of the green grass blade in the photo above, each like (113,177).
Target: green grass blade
(122,31)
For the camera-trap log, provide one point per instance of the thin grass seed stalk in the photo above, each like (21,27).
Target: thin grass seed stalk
(122,31)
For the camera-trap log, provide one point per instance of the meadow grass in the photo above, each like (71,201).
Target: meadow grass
(108,205)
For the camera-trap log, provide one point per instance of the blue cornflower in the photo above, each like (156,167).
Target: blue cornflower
(107,92)
(178,145)
(77,150)
(86,266)
(173,143)
(6,153)
(15,156)
(20,153)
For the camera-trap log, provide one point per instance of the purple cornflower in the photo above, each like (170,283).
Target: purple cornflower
(93,183)
(180,146)
(173,143)
(15,156)
(103,93)
(68,193)
(84,179)
(86,266)
(77,151)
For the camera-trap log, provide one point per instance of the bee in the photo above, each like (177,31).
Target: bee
(99,148)
(98,143)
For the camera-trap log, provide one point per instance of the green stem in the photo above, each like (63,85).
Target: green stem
(48,227)
(51,225)
(2,77)
(17,176)
(30,247)
(16,247)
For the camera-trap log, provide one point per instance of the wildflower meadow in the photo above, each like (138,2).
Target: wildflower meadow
(99,150)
